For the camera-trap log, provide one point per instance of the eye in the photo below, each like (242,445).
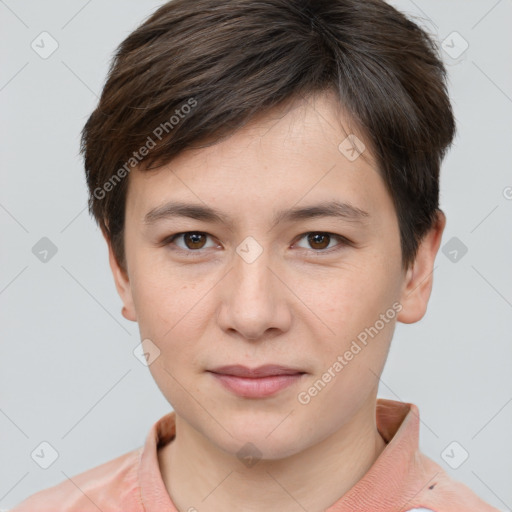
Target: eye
(193,240)
(320,241)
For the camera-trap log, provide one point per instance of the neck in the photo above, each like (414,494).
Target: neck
(199,476)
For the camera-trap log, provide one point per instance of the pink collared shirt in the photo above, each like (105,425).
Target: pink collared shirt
(402,479)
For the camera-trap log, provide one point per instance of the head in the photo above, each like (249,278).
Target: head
(218,118)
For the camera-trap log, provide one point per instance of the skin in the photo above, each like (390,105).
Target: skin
(292,306)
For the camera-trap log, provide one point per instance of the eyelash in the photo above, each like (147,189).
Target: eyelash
(198,252)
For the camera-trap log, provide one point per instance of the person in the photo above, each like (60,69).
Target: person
(266,177)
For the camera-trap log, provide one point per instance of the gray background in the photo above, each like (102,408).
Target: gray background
(68,375)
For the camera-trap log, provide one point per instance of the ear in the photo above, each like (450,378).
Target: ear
(122,283)
(417,285)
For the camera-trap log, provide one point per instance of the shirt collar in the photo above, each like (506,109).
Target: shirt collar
(397,476)
(385,484)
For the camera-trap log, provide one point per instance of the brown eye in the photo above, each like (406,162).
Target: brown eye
(194,240)
(189,241)
(319,240)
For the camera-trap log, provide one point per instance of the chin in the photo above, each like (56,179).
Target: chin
(268,439)
(259,448)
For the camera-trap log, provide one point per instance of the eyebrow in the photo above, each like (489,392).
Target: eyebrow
(335,208)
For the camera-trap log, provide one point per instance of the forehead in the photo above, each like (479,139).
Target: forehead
(297,154)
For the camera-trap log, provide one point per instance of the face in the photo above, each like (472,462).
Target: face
(316,294)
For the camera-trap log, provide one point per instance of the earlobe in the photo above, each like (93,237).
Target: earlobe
(419,278)
(127,314)
(122,282)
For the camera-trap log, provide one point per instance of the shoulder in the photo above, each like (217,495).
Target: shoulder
(110,486)
(441,493)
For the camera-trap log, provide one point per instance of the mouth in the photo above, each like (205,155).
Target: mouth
(259,382)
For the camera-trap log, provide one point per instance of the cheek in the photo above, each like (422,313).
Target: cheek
(165,304)
(347,306)
(174,309)
(353,352)
(343,296)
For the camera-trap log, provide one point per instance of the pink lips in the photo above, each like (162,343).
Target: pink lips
(257,382)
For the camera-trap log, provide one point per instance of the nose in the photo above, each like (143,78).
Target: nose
(254,299)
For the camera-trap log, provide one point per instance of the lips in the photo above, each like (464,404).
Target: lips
(258,372)
(261,382)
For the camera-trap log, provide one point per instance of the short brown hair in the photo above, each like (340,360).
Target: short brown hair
(197,70)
